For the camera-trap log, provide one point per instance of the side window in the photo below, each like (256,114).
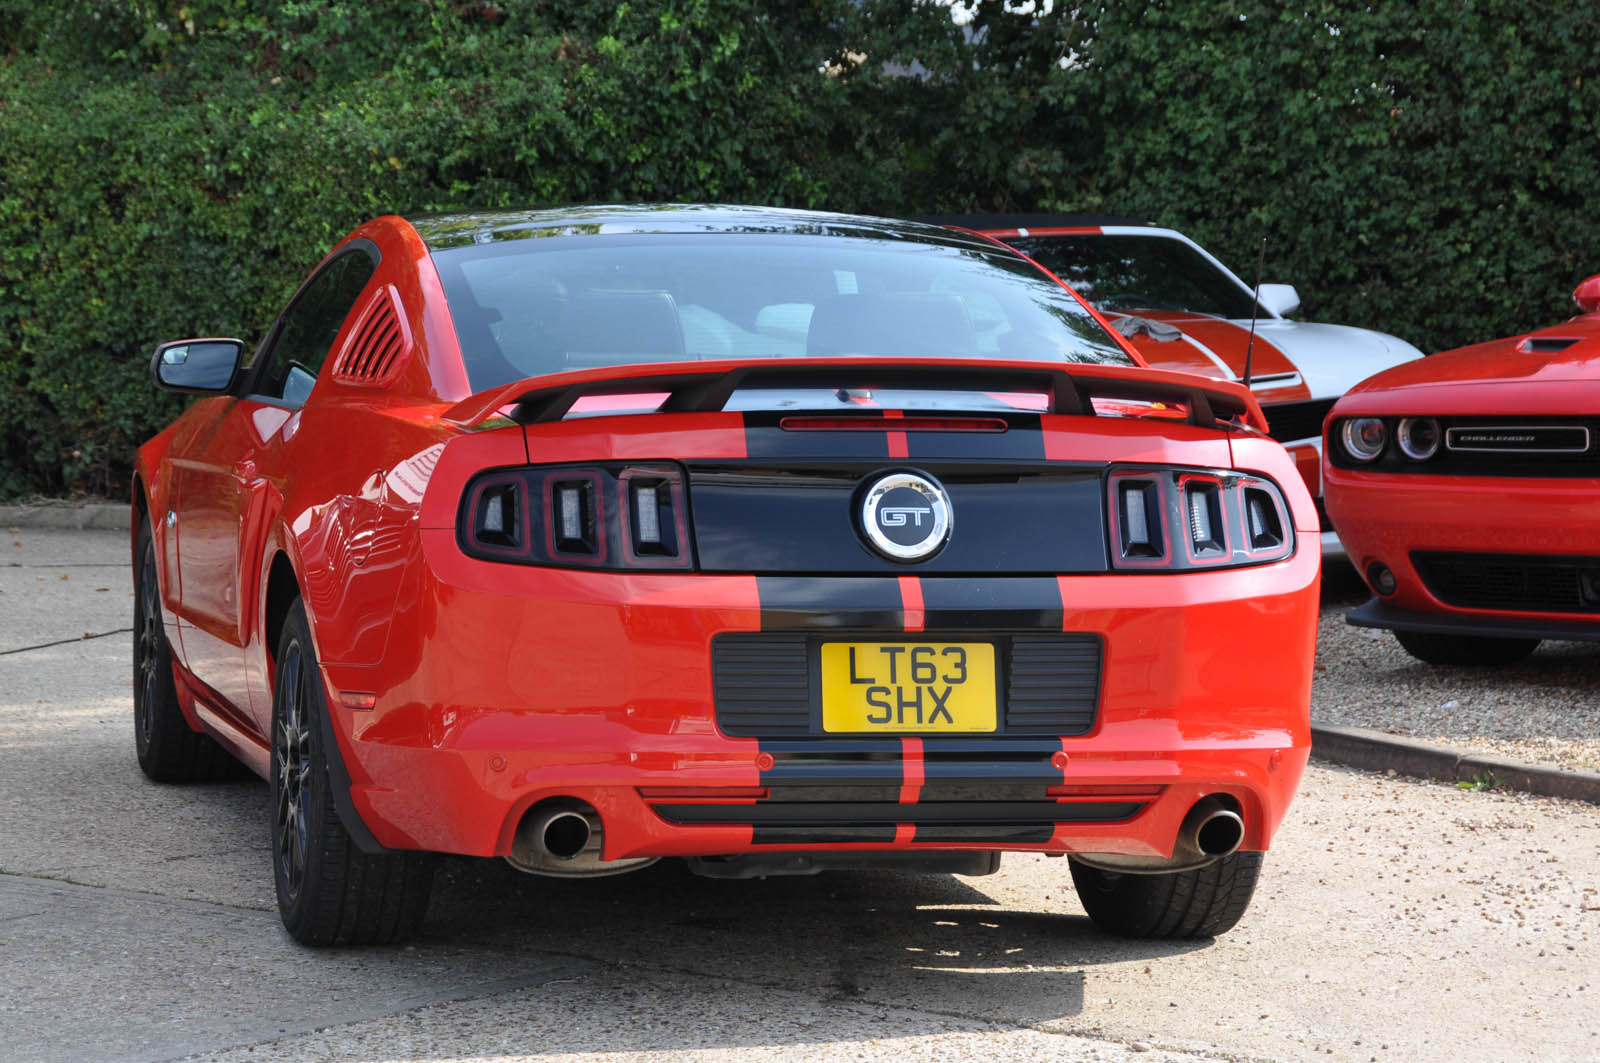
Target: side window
(306,331)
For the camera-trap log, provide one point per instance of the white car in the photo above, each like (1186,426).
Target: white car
(1183,309)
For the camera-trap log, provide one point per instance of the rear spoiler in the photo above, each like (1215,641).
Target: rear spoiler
(706,386)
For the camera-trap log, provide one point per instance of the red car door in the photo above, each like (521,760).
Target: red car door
(223,477)
(210,483)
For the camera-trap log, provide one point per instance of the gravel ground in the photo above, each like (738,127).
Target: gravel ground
(1543,710)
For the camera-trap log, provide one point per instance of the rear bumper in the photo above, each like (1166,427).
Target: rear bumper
(505,685)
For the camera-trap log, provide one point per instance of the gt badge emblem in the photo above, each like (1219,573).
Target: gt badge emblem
(905,516)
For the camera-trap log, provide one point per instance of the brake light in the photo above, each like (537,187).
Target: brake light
(1206,520)
(1139,520)
(576,517)
(1174,518)
(588,516)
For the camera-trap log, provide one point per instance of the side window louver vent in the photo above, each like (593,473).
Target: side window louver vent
(380,345)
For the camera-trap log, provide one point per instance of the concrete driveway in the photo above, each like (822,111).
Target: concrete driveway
(1396,921)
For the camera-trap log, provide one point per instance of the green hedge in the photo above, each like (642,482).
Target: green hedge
(172,169)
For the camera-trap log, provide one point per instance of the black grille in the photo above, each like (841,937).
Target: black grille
(763,684)
(1288,421)
(1053,684)
(1512,582)
(762,680)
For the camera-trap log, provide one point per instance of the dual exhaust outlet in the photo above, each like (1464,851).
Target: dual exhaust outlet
(565,838)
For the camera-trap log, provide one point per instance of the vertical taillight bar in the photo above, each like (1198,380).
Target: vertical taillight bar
(1205,519)
(1140,535)
(654,517)
(1264,519)
(575,516)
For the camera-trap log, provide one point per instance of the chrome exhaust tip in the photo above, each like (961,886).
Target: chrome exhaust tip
(1210,831)
(563,834)
(564,838)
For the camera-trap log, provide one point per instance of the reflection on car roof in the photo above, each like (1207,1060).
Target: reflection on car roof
(440,231)
(985,222)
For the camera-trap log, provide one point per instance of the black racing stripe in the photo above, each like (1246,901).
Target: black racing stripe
(997,602)
(1022,441)
(1016,835)
(789,602)
(764,439)
(820,836)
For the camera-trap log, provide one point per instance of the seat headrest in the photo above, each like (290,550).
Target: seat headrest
(603,322)
(902,323)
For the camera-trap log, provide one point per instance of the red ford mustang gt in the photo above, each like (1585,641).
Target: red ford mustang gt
(1465,488)
(772,540)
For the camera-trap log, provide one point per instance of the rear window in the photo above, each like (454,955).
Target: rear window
(532,306)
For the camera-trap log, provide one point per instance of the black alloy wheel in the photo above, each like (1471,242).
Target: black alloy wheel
(291,768)
(330,892)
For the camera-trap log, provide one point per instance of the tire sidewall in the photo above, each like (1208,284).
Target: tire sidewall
(151,709)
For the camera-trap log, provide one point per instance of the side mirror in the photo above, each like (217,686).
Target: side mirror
(1587,295)
(1280,299)
(198,367)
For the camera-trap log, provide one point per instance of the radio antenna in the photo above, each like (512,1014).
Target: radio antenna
(1255,310)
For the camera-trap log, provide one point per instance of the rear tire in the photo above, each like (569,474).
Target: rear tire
(169,750)
(1201,903)
(330,892)
(1464,649)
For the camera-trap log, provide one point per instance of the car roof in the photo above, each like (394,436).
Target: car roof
(441,231)
(998,222)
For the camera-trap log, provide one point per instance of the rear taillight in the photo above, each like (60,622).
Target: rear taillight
(1173,518)
(1141,537)
(657,526)
(579,516)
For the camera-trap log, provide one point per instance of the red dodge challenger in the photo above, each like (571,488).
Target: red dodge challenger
(1467,492)
(771,540)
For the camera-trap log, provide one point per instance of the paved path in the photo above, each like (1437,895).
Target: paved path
(1396,921)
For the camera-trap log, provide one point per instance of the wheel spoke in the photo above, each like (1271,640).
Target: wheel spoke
(147,649)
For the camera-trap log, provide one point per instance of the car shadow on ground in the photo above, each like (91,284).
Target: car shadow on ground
(921,940)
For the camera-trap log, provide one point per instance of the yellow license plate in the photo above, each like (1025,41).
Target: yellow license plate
(908,687)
